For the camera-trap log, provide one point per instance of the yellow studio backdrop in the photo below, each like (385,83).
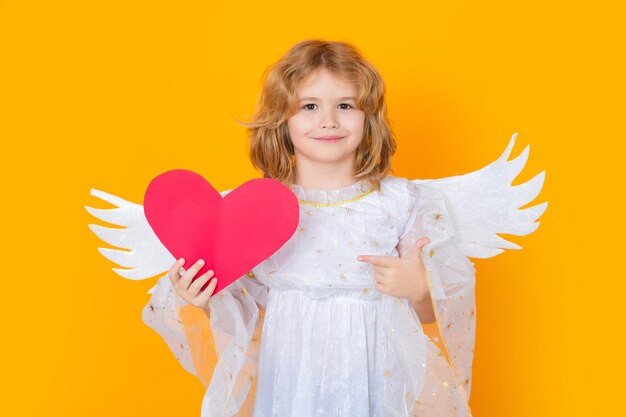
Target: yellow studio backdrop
(110,94)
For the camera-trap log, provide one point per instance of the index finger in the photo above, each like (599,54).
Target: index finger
(379,260)
(175,268)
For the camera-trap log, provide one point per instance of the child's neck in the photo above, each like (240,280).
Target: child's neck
(324,176)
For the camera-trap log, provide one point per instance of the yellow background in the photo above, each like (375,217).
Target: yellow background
(110,94)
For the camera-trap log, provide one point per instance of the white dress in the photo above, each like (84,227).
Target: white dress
(307,334)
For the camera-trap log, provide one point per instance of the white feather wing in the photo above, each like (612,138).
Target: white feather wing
(137,246)
(483,203)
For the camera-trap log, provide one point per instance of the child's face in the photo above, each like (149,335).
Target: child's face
(325,110)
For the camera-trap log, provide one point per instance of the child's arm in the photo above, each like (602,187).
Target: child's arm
(424,309)
(450,277)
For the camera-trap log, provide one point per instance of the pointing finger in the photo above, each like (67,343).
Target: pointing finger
(379,260)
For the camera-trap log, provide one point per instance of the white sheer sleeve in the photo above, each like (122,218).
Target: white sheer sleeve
(451,278)
(222,349)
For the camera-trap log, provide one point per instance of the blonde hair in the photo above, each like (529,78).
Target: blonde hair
(271,149)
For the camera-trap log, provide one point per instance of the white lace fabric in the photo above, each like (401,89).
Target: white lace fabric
(306,333)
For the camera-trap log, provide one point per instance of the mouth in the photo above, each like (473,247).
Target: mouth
(329,139)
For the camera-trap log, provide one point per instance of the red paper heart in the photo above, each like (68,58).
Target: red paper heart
(232,234)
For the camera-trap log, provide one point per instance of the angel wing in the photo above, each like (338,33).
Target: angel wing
(483,203)
(138,247)
(146,256)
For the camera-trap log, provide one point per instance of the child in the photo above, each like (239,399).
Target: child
(331,324)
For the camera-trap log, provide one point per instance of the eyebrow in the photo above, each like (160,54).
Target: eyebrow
(315,98)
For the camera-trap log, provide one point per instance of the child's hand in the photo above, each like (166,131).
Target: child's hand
(191,291)
(401,277)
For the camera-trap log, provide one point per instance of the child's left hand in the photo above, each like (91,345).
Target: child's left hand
(401,277)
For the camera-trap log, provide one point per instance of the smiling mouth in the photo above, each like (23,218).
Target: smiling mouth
(329,138)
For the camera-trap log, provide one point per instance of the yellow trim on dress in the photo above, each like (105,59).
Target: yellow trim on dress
(338,203)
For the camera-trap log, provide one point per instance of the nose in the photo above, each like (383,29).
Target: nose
(329,121)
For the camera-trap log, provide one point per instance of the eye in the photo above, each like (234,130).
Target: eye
(346,104)
(307,108)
